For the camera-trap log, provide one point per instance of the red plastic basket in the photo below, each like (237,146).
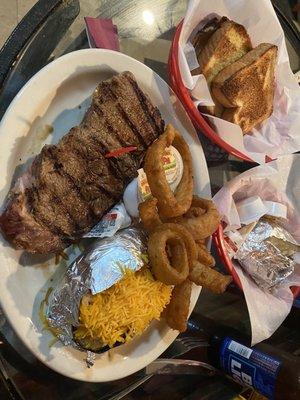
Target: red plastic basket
(202,126)
(185,98)
(218,238)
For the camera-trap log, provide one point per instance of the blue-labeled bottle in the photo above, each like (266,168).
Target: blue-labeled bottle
(269,370)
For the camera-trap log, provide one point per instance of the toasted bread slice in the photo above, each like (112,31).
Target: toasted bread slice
(226,45)
(203,35)
(246,87)
(199,42)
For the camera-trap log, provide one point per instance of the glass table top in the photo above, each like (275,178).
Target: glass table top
(53,28)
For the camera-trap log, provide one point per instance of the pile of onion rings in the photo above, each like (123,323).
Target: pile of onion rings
(178,224)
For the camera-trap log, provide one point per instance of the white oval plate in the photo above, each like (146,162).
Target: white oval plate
(59,95)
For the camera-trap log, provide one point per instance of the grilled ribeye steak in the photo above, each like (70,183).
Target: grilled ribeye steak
(69,186)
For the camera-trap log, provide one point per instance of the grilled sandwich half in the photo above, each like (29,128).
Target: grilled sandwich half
(219,43)
(226,45)
(246,87)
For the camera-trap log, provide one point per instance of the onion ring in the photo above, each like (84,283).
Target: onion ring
(169,204)
(177,310)
(149,214)
(204,257)
(186,237)
(209,278)
(160,261)
(194,212)
(200,225)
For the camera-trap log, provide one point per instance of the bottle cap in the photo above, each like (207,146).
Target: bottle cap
(251,209)
(276,209)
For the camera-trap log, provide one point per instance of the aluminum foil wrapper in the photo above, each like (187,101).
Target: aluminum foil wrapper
(267,253)
(93,271)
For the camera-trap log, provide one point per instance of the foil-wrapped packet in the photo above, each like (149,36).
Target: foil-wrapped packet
(94,271)
(267,254)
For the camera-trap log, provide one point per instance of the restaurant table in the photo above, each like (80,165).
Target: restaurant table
(53,28)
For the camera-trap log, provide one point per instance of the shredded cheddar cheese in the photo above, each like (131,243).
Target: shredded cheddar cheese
(123,311)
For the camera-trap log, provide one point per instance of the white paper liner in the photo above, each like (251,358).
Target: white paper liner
(278,135)
(276,181)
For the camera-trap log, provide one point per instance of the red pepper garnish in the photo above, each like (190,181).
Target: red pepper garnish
(120,151)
